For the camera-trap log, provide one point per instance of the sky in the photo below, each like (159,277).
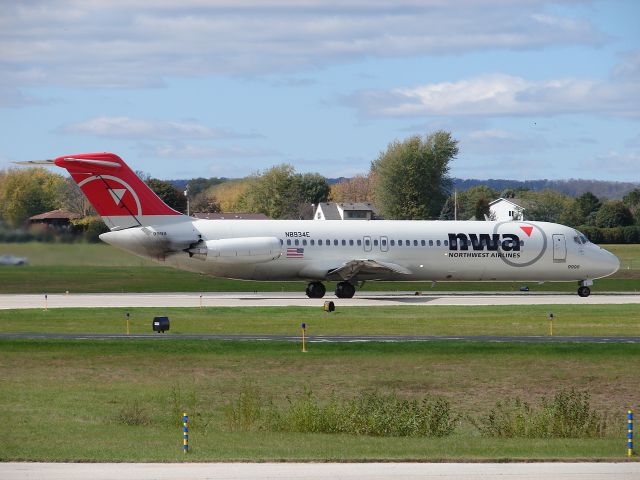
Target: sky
(194,88)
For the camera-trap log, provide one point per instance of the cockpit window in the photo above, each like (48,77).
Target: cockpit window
(580,238)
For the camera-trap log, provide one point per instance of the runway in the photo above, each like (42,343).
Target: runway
(322,338)
(321,471)
(367,299)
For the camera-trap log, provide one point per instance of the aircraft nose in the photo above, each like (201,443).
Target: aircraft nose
(609,263)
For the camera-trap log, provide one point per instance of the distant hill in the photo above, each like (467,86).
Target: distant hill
(573,187)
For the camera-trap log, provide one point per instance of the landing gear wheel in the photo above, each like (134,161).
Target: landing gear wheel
(315,290)
(584,291)
(345,290)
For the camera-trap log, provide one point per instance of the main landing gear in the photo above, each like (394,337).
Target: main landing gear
(343,290)
(583,288)
(315,290)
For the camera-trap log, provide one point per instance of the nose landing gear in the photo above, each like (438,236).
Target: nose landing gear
(583,288)
(584,291)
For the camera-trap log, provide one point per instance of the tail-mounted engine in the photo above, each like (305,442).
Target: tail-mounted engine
(237,250)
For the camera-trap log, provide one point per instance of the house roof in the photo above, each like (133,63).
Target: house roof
(56,215)
(230,216)
(514,201)
(357,206)
(330,211)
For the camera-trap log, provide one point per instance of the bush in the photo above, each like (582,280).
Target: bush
(624,235)
(569,415)
(134,415)
(366,414)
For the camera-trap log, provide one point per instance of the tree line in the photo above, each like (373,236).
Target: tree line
(408,180)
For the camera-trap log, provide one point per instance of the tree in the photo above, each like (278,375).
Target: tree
(230,194)
(205,202)
(412,177)
(71,198)
(632,200)
(614,214)
(196,186)
(546,205)
(355,189)
(481,209)
(587,205)
(168,194)
(27,192)
(313,188)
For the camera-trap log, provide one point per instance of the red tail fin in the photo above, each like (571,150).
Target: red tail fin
(115,191)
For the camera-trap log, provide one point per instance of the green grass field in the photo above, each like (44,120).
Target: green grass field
(601,320)
(83,268)
(64,400)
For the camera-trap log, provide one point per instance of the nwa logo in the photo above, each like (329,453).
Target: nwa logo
(507,242)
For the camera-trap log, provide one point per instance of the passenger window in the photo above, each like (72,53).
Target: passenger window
(359,242)
(304,242)
(288,241)
(344,243)
(446,242)
(423,243)
(351,243)
(320,242)
(393,243)
(313,242)
(407,243)
(335,242)
(375,243)
(281,242)
(415,243)
(438,243)
(367,242)
(297,242)
(431,243)
(384,242)
(399,243)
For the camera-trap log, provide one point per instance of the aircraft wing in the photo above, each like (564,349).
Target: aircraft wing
(367,269)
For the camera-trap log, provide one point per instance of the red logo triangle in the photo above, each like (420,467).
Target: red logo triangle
(527,230)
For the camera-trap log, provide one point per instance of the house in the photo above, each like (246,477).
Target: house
(58,219)
(345,211)
(230,216)
(503,209)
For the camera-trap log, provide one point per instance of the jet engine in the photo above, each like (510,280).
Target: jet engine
(237,250)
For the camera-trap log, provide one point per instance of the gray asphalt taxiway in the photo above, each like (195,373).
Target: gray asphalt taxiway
(321,471)
(362,299)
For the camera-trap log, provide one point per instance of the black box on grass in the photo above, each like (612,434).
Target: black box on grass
(160,324)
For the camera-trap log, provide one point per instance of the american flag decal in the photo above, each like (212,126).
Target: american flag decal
(295,252)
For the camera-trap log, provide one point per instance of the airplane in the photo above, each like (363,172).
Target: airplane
(347,252)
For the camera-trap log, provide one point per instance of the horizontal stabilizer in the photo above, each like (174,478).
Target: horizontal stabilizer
(35,162)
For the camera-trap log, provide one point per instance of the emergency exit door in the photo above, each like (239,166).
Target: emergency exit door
(559,248)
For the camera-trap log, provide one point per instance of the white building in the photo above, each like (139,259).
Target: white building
(502,210)
(344,211)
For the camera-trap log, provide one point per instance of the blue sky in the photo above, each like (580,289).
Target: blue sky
(531,89)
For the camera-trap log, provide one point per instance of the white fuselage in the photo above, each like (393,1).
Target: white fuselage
(288,250)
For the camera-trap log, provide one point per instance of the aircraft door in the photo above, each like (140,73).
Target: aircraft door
(367,244)
(559,248)
(384,244)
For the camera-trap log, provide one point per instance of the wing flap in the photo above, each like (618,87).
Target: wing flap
(371,269)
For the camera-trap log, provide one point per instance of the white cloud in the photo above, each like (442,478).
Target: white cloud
(100,43)
(194,152)
(125,127)
(502,95)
